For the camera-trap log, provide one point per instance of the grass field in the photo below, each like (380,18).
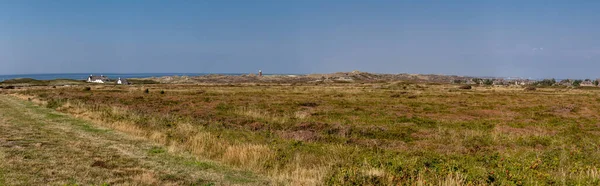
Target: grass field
(351,133)
(39,146)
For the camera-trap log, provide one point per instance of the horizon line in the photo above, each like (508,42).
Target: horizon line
(242,73)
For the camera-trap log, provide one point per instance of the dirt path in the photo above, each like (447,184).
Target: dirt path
(39,146)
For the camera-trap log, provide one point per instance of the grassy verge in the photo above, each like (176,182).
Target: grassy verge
(2,160)
(40,146)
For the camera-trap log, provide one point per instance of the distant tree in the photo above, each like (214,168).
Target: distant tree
(565,81)
(596,82)
(546,82)
(488,82)
(577,82)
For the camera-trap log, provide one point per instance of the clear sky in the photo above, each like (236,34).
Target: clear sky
(483,38)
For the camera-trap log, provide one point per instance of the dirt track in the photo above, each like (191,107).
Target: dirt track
(39,146)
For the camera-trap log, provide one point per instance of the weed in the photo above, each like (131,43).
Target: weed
(55,103)
(156,150)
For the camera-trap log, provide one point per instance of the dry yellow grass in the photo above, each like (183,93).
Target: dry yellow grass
(249,156)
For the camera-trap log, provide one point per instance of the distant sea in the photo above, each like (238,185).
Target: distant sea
(82,76)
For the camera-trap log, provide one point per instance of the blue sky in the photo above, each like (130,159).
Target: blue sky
(483,38)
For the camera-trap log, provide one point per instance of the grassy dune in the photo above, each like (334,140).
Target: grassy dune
(35,82)
(379,134)
(26,82)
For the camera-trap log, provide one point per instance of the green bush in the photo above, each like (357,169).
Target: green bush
(546,82)
(488,82)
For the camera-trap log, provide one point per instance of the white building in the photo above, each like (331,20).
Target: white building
(98,79)
(122,82)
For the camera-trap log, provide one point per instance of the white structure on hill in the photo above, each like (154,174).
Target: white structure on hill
(122,82)
(98,79)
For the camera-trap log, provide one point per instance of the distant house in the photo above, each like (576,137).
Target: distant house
(499,82)
(587,83)
(122,82)
(520,82)
(523,82)
(98,79)
(566,82)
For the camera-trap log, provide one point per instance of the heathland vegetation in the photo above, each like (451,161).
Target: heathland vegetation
(375,133)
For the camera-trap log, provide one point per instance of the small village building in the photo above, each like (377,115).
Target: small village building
(98,79)
(499,82)
(523,82)
(566,82)
(587,83)
(122,82)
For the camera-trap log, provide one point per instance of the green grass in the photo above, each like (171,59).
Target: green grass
(44,147)
(156,150)
(141,81)
(202,165)
(2,171)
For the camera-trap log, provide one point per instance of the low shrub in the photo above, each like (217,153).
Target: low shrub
(55,103)
(465,87)
(308,104)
